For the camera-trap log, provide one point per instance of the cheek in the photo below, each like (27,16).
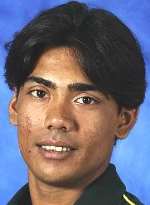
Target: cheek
(29,126)
(98,133)
(30,118)
(102,125)
(97,144)
(24,133)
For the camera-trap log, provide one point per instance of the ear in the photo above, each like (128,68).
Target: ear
(13,110)
(127,120)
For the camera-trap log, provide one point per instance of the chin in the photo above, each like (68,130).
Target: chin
(56,178)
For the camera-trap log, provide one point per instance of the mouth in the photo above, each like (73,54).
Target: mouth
(52,148)
(55,151)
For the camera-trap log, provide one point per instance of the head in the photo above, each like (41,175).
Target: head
(79,79)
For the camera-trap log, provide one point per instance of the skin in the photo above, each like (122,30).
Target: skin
(83,118)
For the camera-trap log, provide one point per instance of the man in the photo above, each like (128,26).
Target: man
(78,79)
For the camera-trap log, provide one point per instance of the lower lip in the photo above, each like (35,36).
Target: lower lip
(55,155)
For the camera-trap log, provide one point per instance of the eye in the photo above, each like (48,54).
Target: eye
(86,100)
(38,93)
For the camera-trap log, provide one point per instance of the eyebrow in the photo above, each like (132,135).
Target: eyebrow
(82,87)
(72,86)
(42,81)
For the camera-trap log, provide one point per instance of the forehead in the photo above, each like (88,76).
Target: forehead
(60,65)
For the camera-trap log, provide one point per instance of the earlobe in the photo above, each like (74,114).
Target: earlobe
(13,110)
(126,122)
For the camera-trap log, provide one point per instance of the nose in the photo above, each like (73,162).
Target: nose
(60,117)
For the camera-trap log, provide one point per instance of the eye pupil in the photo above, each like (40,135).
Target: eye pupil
(86,100)
(40,93)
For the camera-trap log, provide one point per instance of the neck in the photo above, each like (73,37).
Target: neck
(45,194)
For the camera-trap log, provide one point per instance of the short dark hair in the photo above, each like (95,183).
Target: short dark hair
(106,49)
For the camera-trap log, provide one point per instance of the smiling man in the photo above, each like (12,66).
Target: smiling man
(78,78)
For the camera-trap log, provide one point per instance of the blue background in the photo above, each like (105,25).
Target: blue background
(132,155)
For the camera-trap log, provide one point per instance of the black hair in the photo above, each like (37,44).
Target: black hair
(107,50)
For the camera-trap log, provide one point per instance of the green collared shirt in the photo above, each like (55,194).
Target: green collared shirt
(108,189)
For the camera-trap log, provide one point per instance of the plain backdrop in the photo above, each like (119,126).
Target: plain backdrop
(132,155)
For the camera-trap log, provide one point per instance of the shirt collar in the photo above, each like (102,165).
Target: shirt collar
(107,189)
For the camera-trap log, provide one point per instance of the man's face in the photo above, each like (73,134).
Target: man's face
(66,127)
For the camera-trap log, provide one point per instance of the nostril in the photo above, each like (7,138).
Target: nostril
(63,128)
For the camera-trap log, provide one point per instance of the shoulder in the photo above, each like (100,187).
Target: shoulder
(130,199)
(21,197)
